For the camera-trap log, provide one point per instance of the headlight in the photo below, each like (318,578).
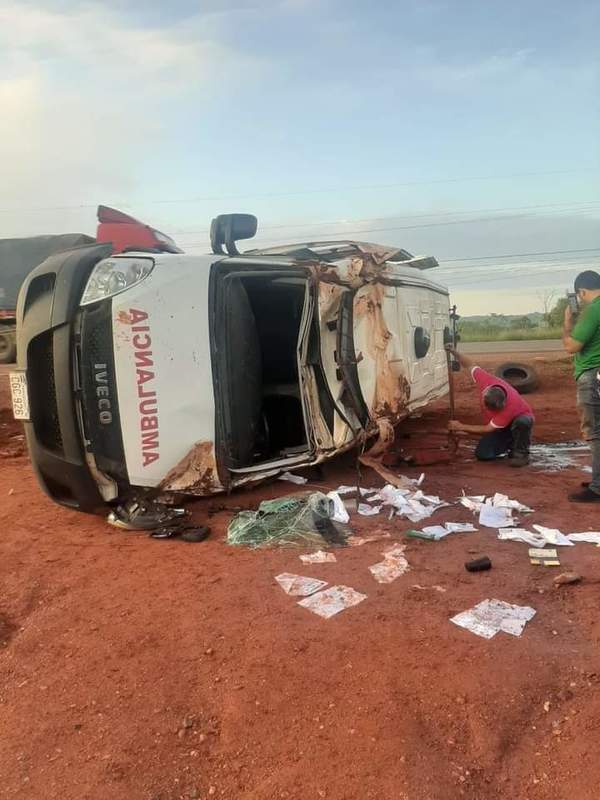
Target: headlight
(114,275)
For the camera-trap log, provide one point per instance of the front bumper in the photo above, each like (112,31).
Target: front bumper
(46,313)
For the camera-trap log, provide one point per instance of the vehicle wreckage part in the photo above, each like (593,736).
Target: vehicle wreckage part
(521,377)
(139,515)
(113,276)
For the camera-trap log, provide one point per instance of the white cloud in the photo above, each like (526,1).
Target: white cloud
(87,97)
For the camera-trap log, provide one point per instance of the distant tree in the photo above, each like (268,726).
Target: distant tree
(522,323)
(555,316)
(546,298)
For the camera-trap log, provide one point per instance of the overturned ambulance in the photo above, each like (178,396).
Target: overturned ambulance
(146,374)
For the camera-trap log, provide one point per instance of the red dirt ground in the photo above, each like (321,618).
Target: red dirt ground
(139,669)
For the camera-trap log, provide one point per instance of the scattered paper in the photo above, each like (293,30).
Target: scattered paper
(340,514)
(319,557)
(502,501)
(298,585)
(553,536)
(353,490)
(460,527)
(522,535)
(333,600)
(367,510)
(473,503)
(435,531)
(288,476)
(394,565)
(495,516)
(489,617)
(593,537)
(544,556)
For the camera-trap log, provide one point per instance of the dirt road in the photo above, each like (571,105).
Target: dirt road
(139,669)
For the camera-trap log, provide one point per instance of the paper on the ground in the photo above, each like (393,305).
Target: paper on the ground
(460,527)
(554,536)
(502,501)
(544,555)
(288,476)
(340,514)
(522,535)
(333,600)
(393,565)
(353,490)
(367,510)
(489,617)
(437,531)
(298,585)
(495,516)
(588,536)
(318,557)
(473,502)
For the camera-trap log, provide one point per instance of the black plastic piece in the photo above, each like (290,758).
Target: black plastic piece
(478,564)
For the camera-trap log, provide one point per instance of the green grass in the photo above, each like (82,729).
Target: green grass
(508,334)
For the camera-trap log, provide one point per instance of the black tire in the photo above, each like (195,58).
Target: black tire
(522,377)
(8,348)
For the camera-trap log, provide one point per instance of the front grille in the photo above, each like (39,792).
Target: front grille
(42,392)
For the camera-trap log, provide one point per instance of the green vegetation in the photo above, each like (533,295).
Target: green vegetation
(507,327)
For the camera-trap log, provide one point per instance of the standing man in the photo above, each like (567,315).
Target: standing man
(581,338)
(508,419)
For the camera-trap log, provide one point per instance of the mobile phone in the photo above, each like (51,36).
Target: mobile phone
(573,303)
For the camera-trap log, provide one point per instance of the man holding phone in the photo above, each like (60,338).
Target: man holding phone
(581,338)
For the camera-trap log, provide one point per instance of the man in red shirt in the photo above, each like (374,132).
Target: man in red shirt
(508,418)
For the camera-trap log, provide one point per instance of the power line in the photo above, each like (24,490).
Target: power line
(312,191)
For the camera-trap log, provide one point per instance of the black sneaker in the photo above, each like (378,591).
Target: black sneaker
(586,496)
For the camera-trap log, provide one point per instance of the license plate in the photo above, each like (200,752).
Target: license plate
(20,398)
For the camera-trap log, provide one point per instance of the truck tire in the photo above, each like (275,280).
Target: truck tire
(8,347)
(521,377)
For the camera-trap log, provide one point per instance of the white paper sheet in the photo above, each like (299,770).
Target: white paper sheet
(554,536)
(495,517)
(593,537)
(502,501)
(473,503)
(394,565)
(333,600)
(299,585)
(522,535)
(367,510)
(318,557)
(340,514)
(489,617)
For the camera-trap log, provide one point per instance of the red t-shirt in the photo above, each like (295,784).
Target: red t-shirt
(515,405)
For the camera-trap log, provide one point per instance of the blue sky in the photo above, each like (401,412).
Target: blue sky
(377,120)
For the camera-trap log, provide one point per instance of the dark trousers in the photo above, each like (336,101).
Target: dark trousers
(515,440)
(588,401)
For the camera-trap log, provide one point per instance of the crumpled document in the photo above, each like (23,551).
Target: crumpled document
(502,501)
(289,476)
(298,585)
(318,557)
(495,516)
(489,617)
(593,537)
(333,600)
(472,502)
(522,535)
(439,531)
(368,511)
(554,536)
(394,565)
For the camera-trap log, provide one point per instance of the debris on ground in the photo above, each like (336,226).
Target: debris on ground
(544,557)
(489,617)
(295,520)
(299,585)
(495,516)
(478,564)
(394,565)
(319,557)
(188,533)
(593,537)
(521,535)
(436,587)
(437,532)
(144,516)
(567,577)
(291,478)
(368,511)
(472,502)
(553,536)
(333,600)
(340,513)
(503,501)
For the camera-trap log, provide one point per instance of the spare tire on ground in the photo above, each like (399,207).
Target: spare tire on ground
(521,376)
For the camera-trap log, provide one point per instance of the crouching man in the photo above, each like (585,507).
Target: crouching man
(508,418)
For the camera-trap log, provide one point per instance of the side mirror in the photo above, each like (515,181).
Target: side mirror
(227,229)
